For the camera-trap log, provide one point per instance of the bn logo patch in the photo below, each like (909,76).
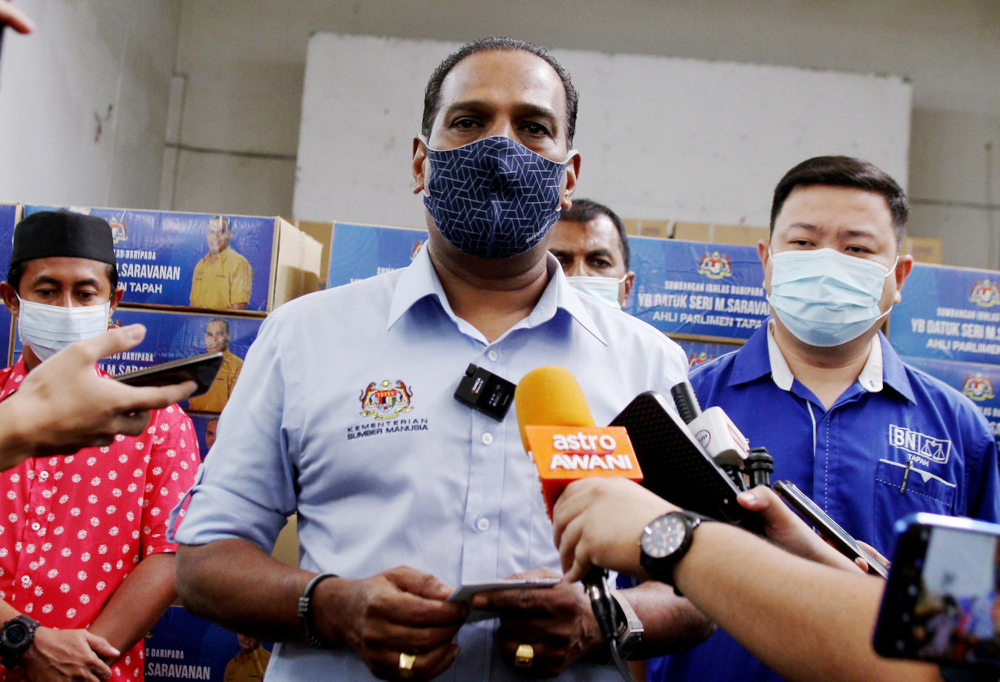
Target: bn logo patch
(386,401)
(921,446)
(715,266)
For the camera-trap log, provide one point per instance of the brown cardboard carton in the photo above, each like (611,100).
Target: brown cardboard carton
(924,249)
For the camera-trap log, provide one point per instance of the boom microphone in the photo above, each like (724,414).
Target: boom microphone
(557,430)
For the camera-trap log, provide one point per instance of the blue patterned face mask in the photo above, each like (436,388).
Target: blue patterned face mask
(493,198)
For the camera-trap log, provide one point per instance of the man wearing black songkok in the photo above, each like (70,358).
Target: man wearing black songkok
(73,528)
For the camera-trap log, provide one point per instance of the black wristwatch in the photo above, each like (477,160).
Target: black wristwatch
(15,638)
(665,541)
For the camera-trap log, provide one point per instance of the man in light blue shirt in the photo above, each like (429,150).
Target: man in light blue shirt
(402,492)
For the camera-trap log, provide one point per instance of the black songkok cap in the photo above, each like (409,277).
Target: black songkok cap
(61,233)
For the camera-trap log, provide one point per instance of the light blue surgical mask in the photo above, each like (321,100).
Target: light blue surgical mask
(604,289)
(493,198)
(47,329)
(826,298)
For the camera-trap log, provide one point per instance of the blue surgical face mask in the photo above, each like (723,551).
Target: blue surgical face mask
(604,289)
(493,198)
(47,329)
(824,297)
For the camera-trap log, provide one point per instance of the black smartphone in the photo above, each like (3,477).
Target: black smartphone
(942,601)
(827,527)
(677,467)
(201,369)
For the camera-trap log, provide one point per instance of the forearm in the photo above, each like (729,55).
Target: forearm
(240,586)
(16,444)
(7,612)
(670,623)
(138,603)
(804,620)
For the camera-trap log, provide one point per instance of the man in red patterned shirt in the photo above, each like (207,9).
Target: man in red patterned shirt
(73,528)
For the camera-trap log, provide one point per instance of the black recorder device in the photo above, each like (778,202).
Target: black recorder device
(677,467)
(484,391)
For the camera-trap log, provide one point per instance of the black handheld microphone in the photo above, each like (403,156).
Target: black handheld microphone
(676,464)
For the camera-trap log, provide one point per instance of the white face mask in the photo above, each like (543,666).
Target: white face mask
(824,297)
(47,329)
(604,289)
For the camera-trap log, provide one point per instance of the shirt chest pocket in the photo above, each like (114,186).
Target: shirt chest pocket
(902,489)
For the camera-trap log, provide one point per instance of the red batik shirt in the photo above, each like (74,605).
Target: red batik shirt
(72,528)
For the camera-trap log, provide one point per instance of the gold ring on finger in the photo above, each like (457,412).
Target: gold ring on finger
(524,656)
(406,665)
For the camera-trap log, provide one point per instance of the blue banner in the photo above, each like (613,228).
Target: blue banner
(158,252)
(948,313)
(980,383)
(205,424)
(680,287)
(8,218)
(183,646)
(362,251)
(697,288)
(699,353)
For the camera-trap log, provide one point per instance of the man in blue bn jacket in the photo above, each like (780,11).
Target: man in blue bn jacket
(864,435)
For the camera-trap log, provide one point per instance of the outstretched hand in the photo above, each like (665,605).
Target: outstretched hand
(64,405)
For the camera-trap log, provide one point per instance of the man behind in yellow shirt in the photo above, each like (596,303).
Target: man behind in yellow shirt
(248,665)
(223,278)
(217,339)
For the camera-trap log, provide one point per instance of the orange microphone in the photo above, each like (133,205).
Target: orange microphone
(558,432)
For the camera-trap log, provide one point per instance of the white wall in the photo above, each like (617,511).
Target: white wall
(244,64)
(689,139)
(102,59)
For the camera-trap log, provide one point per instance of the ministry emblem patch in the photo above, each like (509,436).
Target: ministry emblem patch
(386,401)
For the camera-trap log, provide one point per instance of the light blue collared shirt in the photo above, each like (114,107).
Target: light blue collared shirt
(425,481)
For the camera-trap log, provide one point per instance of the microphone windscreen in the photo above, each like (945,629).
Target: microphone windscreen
(550,396)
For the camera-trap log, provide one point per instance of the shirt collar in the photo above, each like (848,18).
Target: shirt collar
(882,367)
(870,377)
(420,280)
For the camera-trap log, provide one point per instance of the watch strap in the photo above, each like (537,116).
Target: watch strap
(630,629)
(305,606)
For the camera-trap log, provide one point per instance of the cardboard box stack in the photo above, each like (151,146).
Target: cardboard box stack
(191,300)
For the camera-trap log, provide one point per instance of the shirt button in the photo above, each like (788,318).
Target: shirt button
(492,355)
(483,524)
(43,476)
(487,438)
(35,525)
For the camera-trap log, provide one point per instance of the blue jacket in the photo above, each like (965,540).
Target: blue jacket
(872,458)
